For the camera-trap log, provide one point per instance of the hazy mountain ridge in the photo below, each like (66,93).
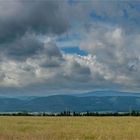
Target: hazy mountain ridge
(59,103)
(108,93)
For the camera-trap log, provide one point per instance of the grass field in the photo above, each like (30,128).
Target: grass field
(69,128)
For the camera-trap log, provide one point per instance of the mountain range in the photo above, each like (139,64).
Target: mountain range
(91,101)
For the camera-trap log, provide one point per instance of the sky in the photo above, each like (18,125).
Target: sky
(69,46)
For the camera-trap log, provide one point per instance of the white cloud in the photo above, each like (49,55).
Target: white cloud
(52,67)
(116,50)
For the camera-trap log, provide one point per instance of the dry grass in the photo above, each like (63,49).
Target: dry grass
(69,128)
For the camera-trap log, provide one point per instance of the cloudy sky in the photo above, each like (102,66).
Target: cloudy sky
(70,46)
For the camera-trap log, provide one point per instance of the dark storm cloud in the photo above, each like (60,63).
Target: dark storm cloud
(17,17)
(22,21)
(22,48)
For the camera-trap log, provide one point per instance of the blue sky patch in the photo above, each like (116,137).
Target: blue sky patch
(74,50)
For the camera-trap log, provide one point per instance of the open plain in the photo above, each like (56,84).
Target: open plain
(69,128)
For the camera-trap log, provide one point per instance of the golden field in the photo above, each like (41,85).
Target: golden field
(69,128)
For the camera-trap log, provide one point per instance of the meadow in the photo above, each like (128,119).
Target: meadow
(69,128)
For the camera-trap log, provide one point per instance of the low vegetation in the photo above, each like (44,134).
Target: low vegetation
(69,113)
(69,128)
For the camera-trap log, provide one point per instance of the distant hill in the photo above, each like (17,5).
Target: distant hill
(108,93)
(80,103)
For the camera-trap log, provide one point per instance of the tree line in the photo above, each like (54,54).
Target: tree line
(69,113)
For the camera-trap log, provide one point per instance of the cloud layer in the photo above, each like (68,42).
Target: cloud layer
(18,17)
(30,55)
